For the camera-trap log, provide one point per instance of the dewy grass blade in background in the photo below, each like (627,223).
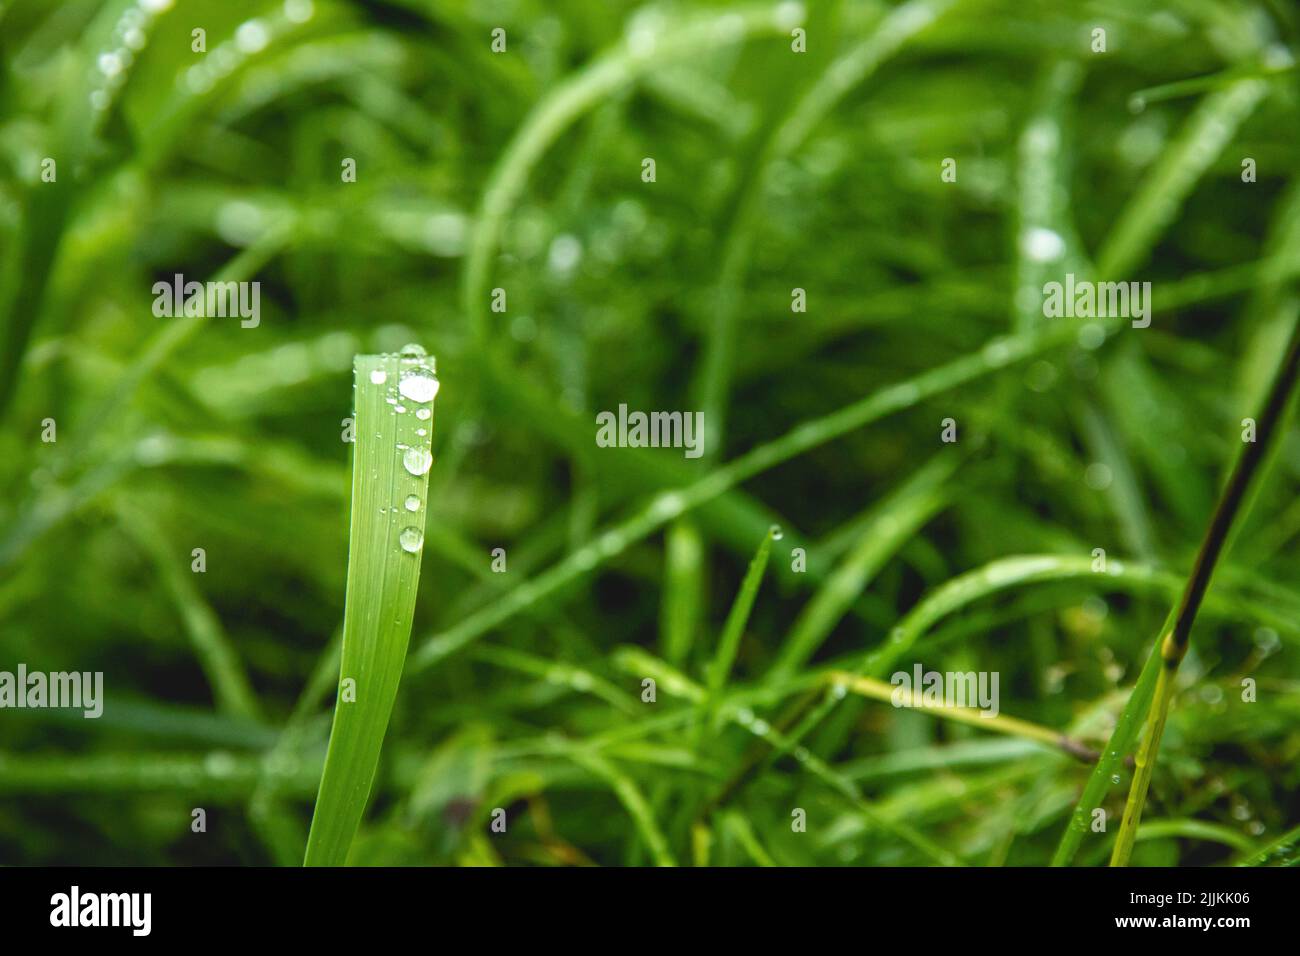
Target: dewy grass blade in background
(390,483)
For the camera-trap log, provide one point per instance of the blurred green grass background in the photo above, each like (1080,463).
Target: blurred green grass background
(522,171)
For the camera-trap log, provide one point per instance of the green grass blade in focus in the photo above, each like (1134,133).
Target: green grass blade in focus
(390,482)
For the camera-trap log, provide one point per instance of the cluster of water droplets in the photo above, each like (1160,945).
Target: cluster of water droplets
(251,37)
(417,384)
(130,36)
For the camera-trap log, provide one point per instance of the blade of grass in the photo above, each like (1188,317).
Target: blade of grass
(1157,202)
(390,466)
(1193,830)
(1284,851)
(76,124)
(683,589)
(1043,192)
(734,628)
(632,799)
(999,723)
(578,679)
(217,775)
(1108,765)
(740,828)
(220,661)
(1173,644)
(279,828)
(996,576)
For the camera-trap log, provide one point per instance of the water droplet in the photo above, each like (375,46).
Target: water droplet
(298,11)
(1091,336)
(220,764)
(776,532)
(417,460)
(418,386)
(423,414)
(997,353)
(1042,245)
(252,37)
(411,539)
(379,376)
(565,254)
(1098,476)
(789,15)
(110,64)
(1041,376)
(1266,640)
(412,502)
(667,505)
(412,348)
(1114,778)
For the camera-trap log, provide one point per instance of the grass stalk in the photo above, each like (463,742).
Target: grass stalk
(734,628)
(390,483)
(218,658)
(1284,851)
(1174,642)
(684,584)
(875,689)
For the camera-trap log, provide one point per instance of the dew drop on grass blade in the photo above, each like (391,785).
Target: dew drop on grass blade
(390,474)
